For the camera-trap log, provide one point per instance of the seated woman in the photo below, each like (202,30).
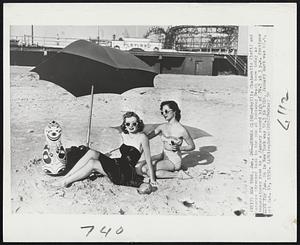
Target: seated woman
(121,171)
(172,135)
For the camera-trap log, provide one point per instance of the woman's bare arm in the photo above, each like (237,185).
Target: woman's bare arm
(147,155)
(154,132)
(190,142)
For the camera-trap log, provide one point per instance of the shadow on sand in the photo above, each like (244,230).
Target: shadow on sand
(201,157)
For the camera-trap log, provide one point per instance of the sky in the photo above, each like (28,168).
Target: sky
(105,32)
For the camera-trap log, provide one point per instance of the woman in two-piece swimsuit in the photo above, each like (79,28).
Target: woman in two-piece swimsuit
(174,156)
(168,163)
(121,171)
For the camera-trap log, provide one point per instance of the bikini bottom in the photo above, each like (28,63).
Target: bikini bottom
(174,157)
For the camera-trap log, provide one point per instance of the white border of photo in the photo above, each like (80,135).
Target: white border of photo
(280,227)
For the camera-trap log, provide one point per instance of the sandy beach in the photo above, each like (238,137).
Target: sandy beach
(217,105)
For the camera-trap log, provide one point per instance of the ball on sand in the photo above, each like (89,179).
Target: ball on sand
(145,188)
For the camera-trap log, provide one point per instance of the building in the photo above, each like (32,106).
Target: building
(142,44)
(101,42)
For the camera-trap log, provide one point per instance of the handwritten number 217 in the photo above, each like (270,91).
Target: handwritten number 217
(283,111)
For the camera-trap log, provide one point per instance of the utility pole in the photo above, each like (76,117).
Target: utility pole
(98,38)
(31,35)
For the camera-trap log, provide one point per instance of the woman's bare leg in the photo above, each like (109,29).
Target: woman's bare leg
(83,172)
(165,169)
(91,154)
(140,169)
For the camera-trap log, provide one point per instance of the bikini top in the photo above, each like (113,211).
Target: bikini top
(170,139)
(130,154)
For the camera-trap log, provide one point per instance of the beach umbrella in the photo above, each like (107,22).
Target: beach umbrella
(194,132)
(84,68)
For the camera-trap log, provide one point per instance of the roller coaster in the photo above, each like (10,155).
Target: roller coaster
(215,39)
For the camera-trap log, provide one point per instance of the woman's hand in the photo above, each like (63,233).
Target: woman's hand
(171,147)
(175,148)
(154,184)
(168,146)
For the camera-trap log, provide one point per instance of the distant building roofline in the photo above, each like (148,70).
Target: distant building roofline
(136,39)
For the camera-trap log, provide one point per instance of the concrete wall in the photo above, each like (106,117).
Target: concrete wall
(29,58)
(190,65)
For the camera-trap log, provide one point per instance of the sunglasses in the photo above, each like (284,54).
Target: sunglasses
(131,124)
(165,112)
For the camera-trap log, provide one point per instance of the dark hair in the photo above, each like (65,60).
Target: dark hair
(140,123)
(173,106)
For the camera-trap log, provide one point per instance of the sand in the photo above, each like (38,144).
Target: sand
(217,105)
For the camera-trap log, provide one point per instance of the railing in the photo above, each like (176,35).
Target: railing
(55,42)
(238,63)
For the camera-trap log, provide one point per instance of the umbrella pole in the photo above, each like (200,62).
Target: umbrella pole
(90,118)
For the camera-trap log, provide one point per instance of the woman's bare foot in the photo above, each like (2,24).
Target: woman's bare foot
(193,172)
(183,175)
(59,183)
(146,179)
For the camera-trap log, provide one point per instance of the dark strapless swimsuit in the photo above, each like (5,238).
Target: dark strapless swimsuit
(121,171)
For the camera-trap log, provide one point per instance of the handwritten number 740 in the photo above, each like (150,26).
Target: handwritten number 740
(103,230)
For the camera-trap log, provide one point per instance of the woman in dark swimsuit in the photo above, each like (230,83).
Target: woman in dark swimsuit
(121,171)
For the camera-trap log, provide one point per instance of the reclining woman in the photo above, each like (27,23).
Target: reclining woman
(121,171)
(168,163)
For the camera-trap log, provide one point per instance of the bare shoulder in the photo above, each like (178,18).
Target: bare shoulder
(123,135)
(183,130)
(182,127)
(162,126)
(143,137)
